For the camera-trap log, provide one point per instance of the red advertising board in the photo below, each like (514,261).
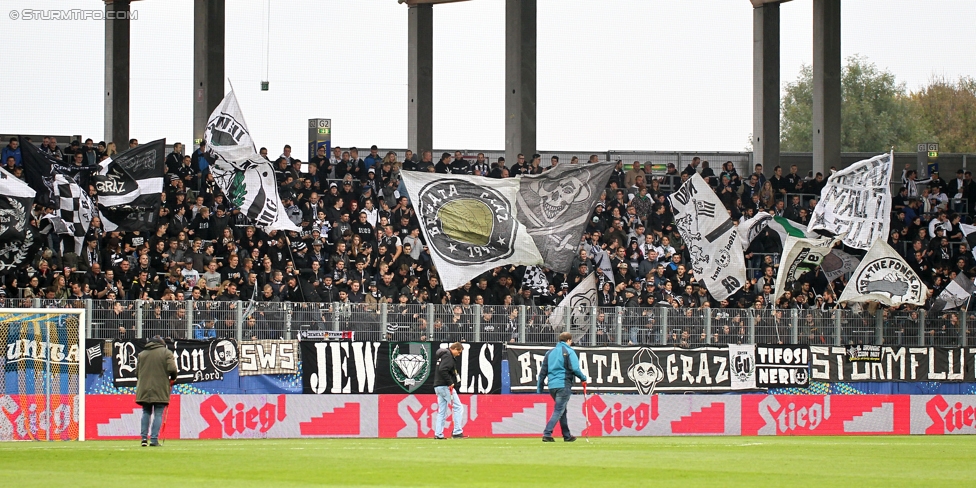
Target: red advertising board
(825,414)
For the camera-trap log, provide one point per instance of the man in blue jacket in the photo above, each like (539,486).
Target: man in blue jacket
(561,367)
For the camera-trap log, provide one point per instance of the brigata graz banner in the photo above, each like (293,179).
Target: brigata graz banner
(642,370)
(899,363)
(351,367)
(195,360)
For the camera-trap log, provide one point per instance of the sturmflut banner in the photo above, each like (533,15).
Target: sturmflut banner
(857,202)
(712,238)
(899,363)
(351,367)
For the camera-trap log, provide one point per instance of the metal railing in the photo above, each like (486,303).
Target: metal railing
(686,327)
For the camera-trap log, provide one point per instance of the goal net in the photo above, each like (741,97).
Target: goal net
(42,385)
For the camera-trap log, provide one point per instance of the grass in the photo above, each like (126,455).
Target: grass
(661,461)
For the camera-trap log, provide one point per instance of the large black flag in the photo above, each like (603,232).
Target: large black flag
(17,237)
(129,187)
(40,169)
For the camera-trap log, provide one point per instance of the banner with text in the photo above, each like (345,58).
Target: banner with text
(195,360)
(834,364)
(268,357)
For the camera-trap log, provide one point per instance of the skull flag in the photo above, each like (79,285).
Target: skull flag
(554,207)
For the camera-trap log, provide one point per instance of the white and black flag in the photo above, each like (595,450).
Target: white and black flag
(535,279)
(247,179)
(17,237)
(470,224)
(554,207)
(857,202)
(800,256)
(129,188)
(579,304)
(76,208)
(956,294)
(884,276)
(712,238)
(970,232)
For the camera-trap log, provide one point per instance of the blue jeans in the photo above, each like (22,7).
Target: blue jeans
(561,396)
(154,410)
(447,396)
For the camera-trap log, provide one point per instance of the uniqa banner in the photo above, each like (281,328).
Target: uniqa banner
(196,361)
(351,367)
(642,370)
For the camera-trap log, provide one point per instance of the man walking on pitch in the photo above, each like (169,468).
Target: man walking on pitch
(444,381)
(155,374)
(561,367)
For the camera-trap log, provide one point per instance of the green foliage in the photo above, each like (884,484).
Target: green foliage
(877,112)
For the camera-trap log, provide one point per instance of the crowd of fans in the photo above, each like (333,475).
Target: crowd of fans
(360,245)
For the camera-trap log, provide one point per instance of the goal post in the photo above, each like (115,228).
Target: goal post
(42,386)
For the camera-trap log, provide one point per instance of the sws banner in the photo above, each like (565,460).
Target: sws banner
(268,357)
(643,370)
(195,360)
(833,364)
(351,367)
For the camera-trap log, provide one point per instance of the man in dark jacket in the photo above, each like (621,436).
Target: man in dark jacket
(560,366)
(446,377)
(155,374)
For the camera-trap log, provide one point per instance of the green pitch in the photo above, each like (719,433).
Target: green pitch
(688,461)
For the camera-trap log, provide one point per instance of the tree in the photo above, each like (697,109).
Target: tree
(875,111)
(947,114)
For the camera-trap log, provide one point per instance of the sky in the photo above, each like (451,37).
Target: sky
(612,75)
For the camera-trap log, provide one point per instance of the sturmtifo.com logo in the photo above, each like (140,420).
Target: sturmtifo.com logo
(73,14)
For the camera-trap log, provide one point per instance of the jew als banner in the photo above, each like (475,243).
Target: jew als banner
(885,277)
(353,367)
(833,364)
(196,361)
(641,370)
(554,207)
(712,239)
(268,357)
(857,202)
(782,366)
(470,224)
(246,178)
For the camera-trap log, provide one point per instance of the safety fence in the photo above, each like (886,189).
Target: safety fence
(654,325)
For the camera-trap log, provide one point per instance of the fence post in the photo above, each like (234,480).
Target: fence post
(190,305)
(521,330)
(384,317)
(921,327)
(795,326)
(139,318)
(879,318)
(837,326)
(477,322)
(752,328)
(238,321)
(430,320)
(335,316)
(618,326)
(964,325)
(664,326)
(708,325)
(88,318)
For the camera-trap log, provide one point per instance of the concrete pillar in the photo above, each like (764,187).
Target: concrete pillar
(826,85)
(208,62)
(765,86)
(117,73)
(520,76)
(420,78)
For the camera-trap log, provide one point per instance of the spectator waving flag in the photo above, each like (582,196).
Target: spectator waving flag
(751,228)
(579,305)
(857,202)
(470,224)
(800,256)
(712,239)
(970,232)
(17,236)
(601,260)
(959,291)
(554,207)
(247,179)
(884,276)
(129,187)
(40,169)
(534,278)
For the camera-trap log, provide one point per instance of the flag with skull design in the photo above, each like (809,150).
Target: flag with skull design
(554,207)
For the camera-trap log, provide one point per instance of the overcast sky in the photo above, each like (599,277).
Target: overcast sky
(614,74)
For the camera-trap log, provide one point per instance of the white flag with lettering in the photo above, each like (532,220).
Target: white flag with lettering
(884,276)
(857,201)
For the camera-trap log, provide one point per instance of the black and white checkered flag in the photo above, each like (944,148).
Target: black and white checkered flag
(76,209)
(536,280)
